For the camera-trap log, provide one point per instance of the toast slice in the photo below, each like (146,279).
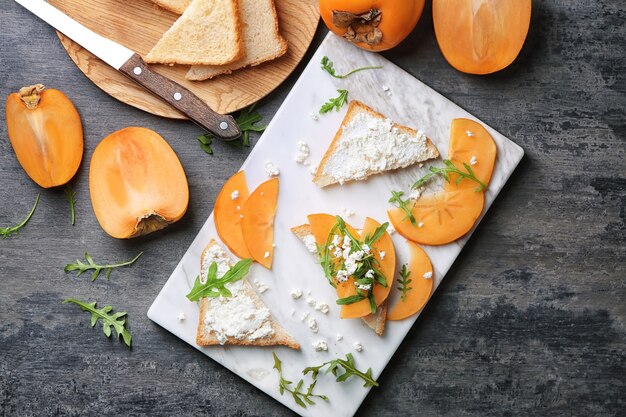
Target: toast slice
(368,143)
(207,33)
(261,40)
(242,319)
(176,6)
(374,321)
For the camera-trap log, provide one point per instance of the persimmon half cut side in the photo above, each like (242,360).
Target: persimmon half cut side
(46,134)
(257,224)
(441,217)
(137,183)
(375,25)
(227,214)
(422,283)
(481,36)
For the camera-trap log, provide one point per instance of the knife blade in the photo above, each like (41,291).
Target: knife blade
(132,65)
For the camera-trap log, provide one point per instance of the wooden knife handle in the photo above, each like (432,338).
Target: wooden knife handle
(222,126)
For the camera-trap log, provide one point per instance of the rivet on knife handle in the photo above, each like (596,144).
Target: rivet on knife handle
(222,126)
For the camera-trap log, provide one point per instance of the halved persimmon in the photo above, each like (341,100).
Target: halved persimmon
(257,223)
(227,214)
(441,217)
(321,227)
(421,286)
(481,36)
(137,183)
(471,144)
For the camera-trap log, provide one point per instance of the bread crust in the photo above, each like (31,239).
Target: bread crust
(177,6)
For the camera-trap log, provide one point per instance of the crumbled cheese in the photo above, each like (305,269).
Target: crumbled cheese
(323,307)
(347,212)
(181,316)
(296,293)
(368,144)
(235,195)
(310,243)
(469,133)
(387,90)
(262,288)
(271,169)
(415,194)
(366,248)
(304,316)
(313,169)
(320,346)
(364,287)
(473,160)
(311,301)
(339,337)
(313,325)
(266,255)
(357,346)
(420,224)
(336,240)
(303,152)
(314,115)
(391,230)
(382,254)
(342,275)
(428,275)
(369,274)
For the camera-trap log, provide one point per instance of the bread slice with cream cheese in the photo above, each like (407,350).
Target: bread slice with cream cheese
(375,321)
(368,143)
(261,40)
(208,33)
(176,6)
(242,319)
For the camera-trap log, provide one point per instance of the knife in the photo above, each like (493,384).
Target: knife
(130,64)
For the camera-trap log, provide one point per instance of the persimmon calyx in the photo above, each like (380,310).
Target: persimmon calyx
(149,223)
(360,27)
(31,95)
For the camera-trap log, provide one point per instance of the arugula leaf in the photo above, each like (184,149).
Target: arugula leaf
(343,369)
(108,320)
(301,398)
(335,103)
(70,197)
(378,233)
(205,143)
(246,121)
(396,198)
(449,169)
(213,287)
(81,267)
(404,281)
(327,65)
(10,230)
(351,299)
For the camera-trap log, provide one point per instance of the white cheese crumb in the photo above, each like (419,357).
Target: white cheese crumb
(320,346)
(304,316)
(415,194)
(303,152)
(323,307)
(339,337)
(342,275)
(260,286)
(181,316)
(391,230)
(347,212)
(271,169)
(313,325)
(469,133)
(273,245)
(235,195)
(357,346)
(387,90)
(473,160)
(420,224)
(266,255)
(313,169)
(296,293)
(311,301)
(428,275)
(314,115)
(309,242)
(382,254)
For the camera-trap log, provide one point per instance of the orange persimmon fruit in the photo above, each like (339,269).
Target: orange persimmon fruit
(257,223)
(375,25)
(137,183)
(421,286)
(227,214)
(441,217)
(481,36)
(46,134)
(321,226)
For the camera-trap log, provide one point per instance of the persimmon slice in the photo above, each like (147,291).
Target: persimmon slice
(137,183)
(257,224)
(321,226)
(46,134)
(481,36)
(441,217)
(471,144)
(227,214)
(422,282)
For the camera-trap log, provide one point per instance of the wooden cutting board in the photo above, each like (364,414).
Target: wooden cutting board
(139,24)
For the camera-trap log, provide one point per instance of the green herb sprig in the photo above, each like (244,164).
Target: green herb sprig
(343,369)
(396,198)
(81,267)
(335,103)
(450,168)
(11,230)
(302,398)
(213,286)
(327,65)
(70,197)
(404,281)
(117,320)
(247,120)
(205,143)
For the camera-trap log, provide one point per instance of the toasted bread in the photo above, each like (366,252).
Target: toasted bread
(176,6)
(261,40)
(208,33)
(374,321)
(241,294)
(368,143)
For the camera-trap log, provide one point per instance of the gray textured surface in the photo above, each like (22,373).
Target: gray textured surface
(531,320)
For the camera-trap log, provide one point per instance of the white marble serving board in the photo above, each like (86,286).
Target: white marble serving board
(408,102)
